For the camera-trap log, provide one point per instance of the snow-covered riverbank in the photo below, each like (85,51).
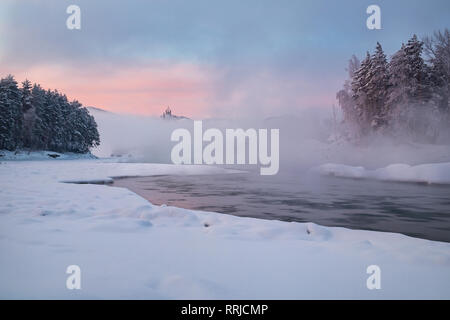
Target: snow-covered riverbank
(128,248)
(24,155)
(437,173)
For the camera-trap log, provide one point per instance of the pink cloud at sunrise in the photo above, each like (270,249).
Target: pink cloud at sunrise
(196,91)
(140,90)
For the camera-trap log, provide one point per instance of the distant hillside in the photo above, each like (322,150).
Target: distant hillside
(97,109)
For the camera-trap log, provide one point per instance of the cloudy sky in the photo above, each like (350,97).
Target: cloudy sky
(202,57)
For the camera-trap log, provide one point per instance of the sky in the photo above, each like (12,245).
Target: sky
(203,58)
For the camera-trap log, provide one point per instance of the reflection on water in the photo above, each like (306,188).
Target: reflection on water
(414,209)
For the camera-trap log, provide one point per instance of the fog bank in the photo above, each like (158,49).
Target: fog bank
(306,140)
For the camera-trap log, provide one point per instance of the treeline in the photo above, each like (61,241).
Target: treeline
(37,119)
(405,96)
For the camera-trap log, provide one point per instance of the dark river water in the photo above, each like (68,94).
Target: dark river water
(417,210)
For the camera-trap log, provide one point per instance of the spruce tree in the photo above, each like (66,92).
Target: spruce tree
(437,49)
(413,111)
(360,96)
(40,128)
(398,79)
(419,86)
(29,114)
(11,113)
(377,89)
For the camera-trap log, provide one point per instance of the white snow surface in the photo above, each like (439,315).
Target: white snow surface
(431,173)
(42,155)
(128,248)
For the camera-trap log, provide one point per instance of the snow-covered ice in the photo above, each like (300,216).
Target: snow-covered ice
(128,248)
(438,173)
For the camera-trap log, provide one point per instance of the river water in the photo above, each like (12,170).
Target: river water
(417,210)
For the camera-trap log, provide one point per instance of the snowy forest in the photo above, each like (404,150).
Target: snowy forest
(404,97)
(36,119)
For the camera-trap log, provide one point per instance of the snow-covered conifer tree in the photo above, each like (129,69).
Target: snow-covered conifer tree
(29,114)
(437,49)
(359,89)
(413,111)
(377,89)
(11,114)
